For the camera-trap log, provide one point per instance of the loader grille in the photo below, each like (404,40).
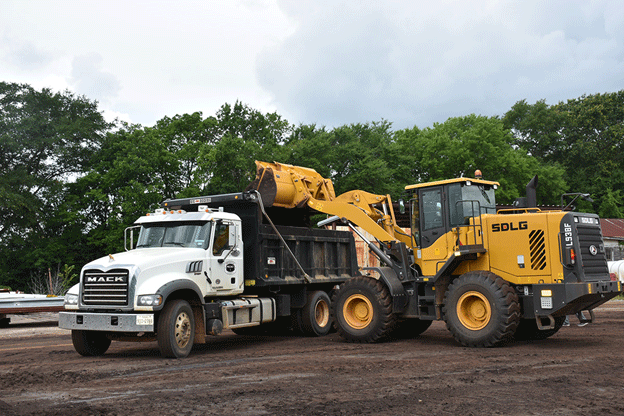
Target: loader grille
(538,249)
(593,259)
(108,288)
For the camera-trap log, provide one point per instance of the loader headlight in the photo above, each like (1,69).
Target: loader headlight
(71,300)
(150,300)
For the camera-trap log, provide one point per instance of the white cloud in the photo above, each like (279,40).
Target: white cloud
(324,62)
(419,62)
(90,79)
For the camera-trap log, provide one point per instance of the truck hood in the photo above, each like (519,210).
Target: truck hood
(147,258)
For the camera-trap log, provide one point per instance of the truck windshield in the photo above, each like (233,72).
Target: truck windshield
(179,234)
(467,201)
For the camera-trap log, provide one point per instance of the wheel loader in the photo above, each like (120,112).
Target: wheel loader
(493,275)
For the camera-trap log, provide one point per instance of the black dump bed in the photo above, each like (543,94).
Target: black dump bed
(327,256)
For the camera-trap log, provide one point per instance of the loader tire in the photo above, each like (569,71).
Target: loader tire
(528,330)
(176,329)
(481,310)
(362,310)
(316,315)
(90,343)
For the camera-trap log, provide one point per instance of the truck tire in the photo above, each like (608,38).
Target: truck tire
(411,328)
(90,343)
(528,330)
(481,309)
(176,329)
(316,314)
(362,310)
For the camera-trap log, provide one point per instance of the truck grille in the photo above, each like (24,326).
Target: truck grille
(594,265)
(105,288)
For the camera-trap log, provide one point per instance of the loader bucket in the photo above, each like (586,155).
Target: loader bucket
(288,186)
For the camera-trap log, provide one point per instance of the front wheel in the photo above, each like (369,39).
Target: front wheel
(362,310)
(90,343)
(481,309)
(176,329)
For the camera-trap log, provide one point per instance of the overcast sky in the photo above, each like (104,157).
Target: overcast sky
(324,62)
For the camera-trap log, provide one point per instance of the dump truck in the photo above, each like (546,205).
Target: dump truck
(493,275)
(203,265)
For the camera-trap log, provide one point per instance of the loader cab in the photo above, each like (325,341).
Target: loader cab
(438,207)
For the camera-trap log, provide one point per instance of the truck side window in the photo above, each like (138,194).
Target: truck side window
(432,209)
(221,238)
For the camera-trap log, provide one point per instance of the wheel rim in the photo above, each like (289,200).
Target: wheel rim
(358,311)
(321,313)
(183,330)
(474,310)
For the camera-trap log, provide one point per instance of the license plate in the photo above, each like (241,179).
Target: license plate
(145,320)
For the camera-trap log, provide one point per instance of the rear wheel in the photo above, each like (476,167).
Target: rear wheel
(90,343)
(176,329)
(528,330)
(481,309)
(362,310)
(316,314)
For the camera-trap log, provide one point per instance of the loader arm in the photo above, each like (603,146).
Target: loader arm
(288,186)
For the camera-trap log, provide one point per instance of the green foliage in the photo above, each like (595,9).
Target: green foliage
(45,138)
(611,205)
(585,136)
(241,135)
(71,183)
(461,145)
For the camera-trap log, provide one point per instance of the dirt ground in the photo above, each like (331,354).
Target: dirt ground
(579,371)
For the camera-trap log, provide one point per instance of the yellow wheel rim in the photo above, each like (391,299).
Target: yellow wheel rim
(474,310)
(182,330)
(321,313)
(358,311)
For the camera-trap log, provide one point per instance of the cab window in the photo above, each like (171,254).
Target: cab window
(221,238)
(432,209)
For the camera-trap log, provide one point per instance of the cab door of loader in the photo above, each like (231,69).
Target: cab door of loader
(432,223)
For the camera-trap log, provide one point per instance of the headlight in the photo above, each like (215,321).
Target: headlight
(71,300)
(150,300)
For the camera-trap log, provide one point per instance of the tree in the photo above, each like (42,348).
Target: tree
(584,135)
(461,145)
(240,135)
(46,139)
(186,137)
(129,179)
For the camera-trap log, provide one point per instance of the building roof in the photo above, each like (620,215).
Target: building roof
(612,228)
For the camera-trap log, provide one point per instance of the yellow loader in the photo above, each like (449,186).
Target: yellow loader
(491,275)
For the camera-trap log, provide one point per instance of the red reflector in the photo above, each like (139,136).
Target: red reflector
(613,277)
(572,256)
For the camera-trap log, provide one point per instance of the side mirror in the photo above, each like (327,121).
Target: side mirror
(401,206)
(232,236)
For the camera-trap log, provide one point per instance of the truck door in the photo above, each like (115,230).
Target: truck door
(226,263)
(433,223)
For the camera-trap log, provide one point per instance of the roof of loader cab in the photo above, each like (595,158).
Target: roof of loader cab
(448,181)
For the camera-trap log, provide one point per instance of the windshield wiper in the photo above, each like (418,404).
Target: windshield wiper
(174,243)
